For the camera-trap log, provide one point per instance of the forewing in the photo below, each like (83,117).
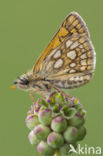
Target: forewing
(73,24)
(69,59)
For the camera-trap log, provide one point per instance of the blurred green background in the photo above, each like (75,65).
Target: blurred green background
(26,27)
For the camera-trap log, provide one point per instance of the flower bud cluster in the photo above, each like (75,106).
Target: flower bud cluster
(55,123)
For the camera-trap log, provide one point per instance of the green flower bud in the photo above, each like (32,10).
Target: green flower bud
(66,148)
(59,98)
(59,124)
(55,140)
(32,138)
(71,134)
(76,101)
(68,112)
(41,132)
(56,109)
(45,116)
(32,121)
(81,133)
(44,103)
(51,99)
(44,149)
(77,120)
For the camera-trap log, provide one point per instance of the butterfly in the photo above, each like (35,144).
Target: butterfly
(67,62)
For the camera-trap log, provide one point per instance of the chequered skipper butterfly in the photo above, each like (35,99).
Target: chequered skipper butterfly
(67,62)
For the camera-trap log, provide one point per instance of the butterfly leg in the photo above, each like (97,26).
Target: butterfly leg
(61,92)
(32,96)
(40,92)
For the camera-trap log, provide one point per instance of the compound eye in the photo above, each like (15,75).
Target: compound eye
(24,81)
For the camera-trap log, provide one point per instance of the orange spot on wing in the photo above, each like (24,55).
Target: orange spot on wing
(63,32)
(73,31)
(57,42)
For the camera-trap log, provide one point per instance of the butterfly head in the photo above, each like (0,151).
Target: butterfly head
(23,82)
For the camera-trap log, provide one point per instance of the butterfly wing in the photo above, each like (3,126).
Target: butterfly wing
(73,24)
(69,59)
(71,64)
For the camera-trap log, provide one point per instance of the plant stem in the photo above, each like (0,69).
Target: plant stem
(57,153)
